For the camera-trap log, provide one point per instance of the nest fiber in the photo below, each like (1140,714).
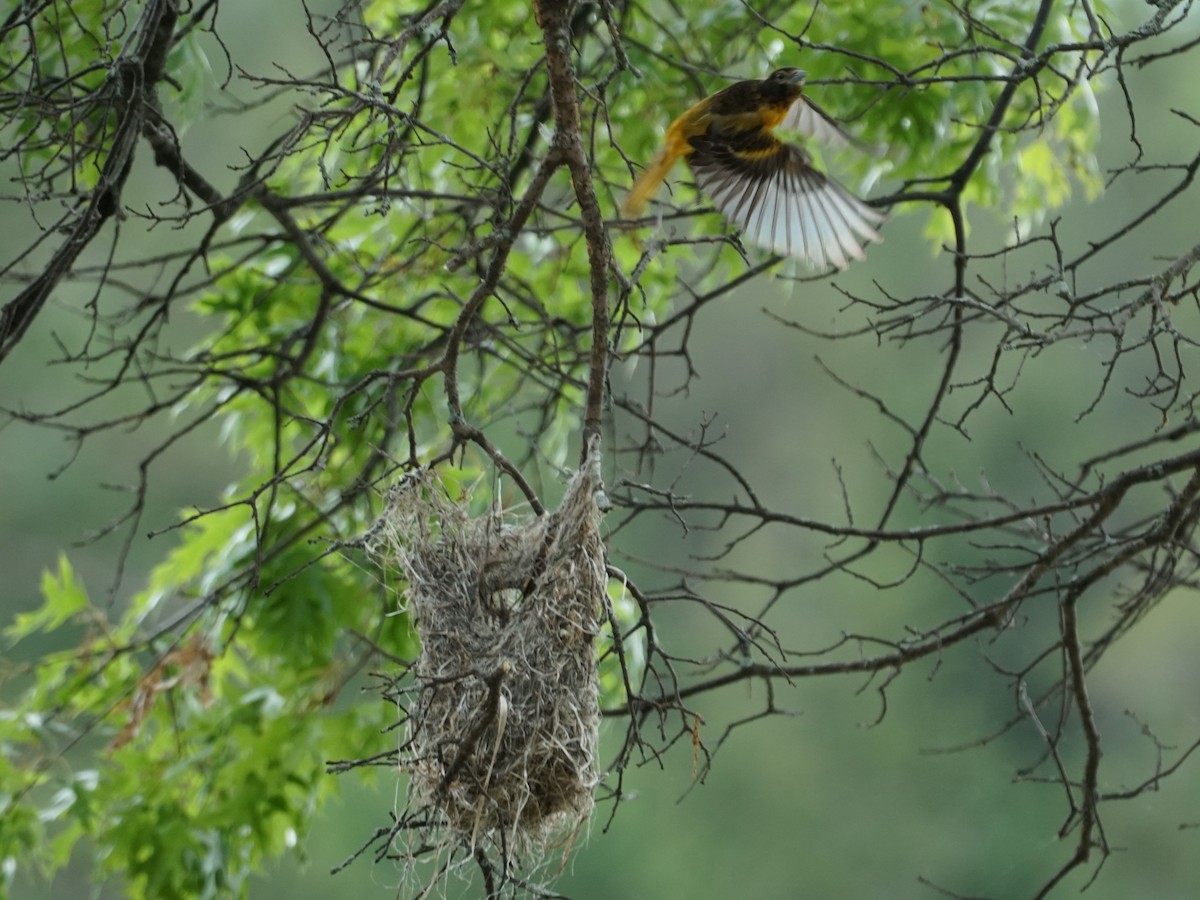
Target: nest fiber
(503,715)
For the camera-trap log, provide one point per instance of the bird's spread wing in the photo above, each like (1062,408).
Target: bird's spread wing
(780,202)
(810,121)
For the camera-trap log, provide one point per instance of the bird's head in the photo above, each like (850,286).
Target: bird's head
(784,84)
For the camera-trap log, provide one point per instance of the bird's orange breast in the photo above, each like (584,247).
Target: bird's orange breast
(774,113)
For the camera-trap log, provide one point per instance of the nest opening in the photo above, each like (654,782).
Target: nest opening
(502,713)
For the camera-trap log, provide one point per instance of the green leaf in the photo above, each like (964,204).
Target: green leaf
(62,598)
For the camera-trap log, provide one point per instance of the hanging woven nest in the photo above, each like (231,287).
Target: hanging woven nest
(502,715)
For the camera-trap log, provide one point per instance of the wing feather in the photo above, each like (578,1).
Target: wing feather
(808,120)
(772,193)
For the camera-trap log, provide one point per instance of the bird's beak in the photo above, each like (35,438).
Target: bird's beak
(798,76)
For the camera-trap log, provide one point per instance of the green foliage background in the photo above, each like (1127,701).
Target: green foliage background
(167,763)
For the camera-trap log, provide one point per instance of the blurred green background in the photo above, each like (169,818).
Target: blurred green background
(826,803)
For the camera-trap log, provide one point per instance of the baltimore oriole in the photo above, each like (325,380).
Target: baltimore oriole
(768,188)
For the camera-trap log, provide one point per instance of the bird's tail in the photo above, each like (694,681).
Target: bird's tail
(647,185)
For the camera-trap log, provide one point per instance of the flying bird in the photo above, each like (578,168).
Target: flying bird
(767,187)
